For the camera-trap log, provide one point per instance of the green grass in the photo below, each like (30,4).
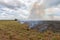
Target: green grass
(12,30)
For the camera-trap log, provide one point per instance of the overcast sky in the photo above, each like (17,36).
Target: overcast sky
(20,9)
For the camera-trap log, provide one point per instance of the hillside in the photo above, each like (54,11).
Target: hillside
(12,30)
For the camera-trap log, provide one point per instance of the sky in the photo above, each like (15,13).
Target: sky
(14,9)
(20,9)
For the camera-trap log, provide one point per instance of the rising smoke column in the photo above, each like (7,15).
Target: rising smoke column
(46,10)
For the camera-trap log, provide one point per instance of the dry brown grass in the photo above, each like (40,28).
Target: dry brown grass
(12,30)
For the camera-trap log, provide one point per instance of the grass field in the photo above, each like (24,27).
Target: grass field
(12,30)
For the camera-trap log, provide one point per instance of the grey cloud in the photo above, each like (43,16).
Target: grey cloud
(51,3)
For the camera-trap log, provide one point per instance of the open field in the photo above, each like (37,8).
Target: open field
(12,30)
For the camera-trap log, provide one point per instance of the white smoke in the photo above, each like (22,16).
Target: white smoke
(50,10)
(46,8)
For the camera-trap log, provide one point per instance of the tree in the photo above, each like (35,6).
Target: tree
(15,19)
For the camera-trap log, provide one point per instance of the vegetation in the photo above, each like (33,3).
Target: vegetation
(12,30)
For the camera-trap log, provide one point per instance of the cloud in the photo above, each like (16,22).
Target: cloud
(14,10)
(20,9)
